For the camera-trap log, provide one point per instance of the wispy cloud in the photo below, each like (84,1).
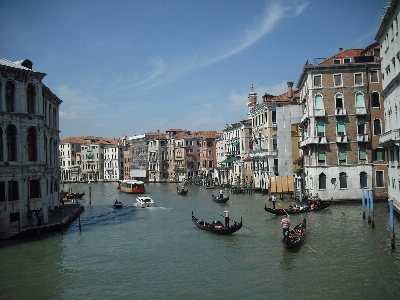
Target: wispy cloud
(166,72)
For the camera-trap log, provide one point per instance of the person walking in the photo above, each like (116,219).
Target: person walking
(273,199)
(285,225)
(226,214)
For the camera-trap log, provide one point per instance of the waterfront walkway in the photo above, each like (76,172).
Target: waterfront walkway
(57,223)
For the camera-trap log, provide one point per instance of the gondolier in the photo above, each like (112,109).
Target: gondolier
(273,199)
(285,225)
(226,215)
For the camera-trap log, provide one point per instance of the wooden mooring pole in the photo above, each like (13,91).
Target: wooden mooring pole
(392,236)
(371,199)
(363,201)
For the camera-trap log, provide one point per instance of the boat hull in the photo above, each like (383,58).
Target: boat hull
(219,200)
(221,230)
(280,211)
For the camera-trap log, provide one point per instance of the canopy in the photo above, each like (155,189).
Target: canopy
(228,160)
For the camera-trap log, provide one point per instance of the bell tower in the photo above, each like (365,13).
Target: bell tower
(252,101)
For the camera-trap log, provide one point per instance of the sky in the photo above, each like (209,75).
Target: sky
(123,68)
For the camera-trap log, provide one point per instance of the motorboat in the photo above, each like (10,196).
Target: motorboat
(145,201)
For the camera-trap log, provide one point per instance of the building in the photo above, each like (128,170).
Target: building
(275,135)
(389,41)
(29,135)
(336,125)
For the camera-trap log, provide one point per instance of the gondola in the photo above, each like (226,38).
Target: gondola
(182,191)
(117,204)
(319,206)
(216,226)
(75,195)
(219,200)
(294,237)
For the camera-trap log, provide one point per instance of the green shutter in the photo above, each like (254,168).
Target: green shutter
(319,103)
(379,154)
(321,154)
(320,126)
(342,154)
(360,100)
(363,153)
(340,126)
(361,122)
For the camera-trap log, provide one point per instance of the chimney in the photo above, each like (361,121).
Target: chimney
(290,91)
(340,50)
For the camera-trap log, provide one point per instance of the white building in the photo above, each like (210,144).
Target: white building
(29,135)
(389,40)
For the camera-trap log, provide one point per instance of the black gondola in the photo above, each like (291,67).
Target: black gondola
(182,191)
(294,237)
(216,226)
(219,199)
(319,205)
(75,195)
(117,204)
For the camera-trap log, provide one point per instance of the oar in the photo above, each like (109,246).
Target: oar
(242,224)
(293,230)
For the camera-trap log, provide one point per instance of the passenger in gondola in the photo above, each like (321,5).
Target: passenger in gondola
(116,201)
(290,207)
(312,205)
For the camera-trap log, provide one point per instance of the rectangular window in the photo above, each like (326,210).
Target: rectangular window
(379,154)
(362,153)
(337,78)
(358,79)
(340,127)
(342,154)
(346,60)
(2,191)
(321,155)
(273,116)
(317,81)
(13,191)
(379,179)
(374,76)
(336,61)
(375,99)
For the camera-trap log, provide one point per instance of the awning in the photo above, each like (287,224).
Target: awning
(361,122)
(228,160)
(235,144)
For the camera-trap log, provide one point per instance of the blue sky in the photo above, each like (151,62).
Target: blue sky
(130,67)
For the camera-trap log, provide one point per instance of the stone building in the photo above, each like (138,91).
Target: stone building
(388,38)
(336,123)
(29,135)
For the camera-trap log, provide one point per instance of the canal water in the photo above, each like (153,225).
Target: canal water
(158,253)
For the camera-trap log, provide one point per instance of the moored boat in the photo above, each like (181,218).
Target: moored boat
(216,226)
(219,199)
(145,202)
(319,205)
(131,186)
(294,237)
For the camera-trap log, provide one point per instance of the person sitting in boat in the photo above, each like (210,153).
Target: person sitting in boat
(312,205)
(217,224)
(116,201)
(290,207)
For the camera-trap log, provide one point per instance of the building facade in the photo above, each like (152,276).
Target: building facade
(389,41)
(29,135)
(336,125)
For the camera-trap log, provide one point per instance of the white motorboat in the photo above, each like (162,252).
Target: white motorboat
(145,201)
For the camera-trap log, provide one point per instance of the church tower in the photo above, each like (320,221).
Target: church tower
(252,101)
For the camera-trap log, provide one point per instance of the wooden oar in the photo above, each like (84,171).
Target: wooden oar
(242,224)
(294,231)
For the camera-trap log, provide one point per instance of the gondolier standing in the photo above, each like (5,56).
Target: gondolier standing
(273,199)
(226,214)
(285,225)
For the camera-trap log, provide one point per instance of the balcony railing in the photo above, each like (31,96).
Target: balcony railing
(361,111)
(362,138)
(339,111)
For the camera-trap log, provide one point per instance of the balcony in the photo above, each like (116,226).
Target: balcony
(313,140)
(390,137)
(319,113)
(361,111)
(342,138)
(362,138)
(339,111)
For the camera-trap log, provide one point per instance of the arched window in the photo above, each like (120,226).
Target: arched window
(32,144)
(10,95)
(320,128)
(377,127)
(339,100)
(30,99)
(360,103)
(322,181)
(11,143)
(343,180)
(363,180)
